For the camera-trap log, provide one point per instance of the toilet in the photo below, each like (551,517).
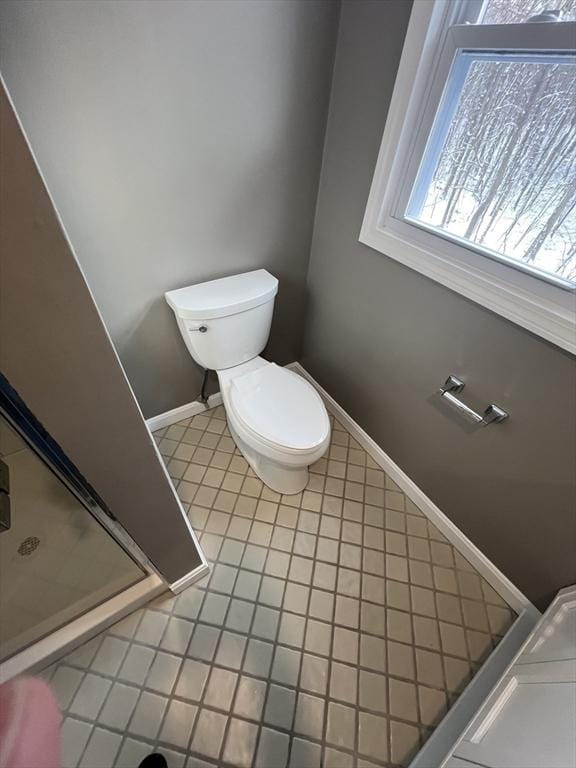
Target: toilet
(277,419)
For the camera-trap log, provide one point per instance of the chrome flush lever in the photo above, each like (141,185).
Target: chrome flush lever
(492,415)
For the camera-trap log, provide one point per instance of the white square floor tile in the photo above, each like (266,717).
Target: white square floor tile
(151,628)
(250,696)
(209,733)
(272,749)
(178,723)
(192,680)
(148,715)
(177,635)
(90,696)
(280,707)
(75,735)
(136,664)
(110,656)
(119,706)
(65,682)
(102,749)
(163,672)
(240,743)
(132,753)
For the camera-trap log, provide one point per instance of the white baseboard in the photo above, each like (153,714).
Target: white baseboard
(497,580)
(78,631)
(188,579)
(182,412)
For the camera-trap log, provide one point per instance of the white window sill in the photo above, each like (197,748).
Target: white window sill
(550,313)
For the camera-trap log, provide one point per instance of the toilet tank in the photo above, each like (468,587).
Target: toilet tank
(226,322)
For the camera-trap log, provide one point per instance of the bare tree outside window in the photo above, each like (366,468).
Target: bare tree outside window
(518,11)
(504,177)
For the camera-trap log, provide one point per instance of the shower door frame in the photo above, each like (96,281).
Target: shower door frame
(41,652)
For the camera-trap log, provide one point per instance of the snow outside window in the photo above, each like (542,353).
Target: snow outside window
(500,169)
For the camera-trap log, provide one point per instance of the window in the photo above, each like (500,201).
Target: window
(475,184)
(500,168)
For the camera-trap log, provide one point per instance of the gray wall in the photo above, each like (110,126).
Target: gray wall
(181,141)
(55,351)
(382,338)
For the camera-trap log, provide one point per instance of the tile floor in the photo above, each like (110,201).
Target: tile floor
(335,629)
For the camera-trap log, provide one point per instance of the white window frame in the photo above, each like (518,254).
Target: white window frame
(542,306)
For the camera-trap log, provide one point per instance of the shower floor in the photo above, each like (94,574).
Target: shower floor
(335,629)
(56,561)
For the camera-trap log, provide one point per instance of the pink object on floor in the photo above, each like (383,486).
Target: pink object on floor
(29,725)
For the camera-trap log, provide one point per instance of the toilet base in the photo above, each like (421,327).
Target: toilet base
(279,477)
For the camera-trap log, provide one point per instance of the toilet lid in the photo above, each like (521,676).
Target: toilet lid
(281,407)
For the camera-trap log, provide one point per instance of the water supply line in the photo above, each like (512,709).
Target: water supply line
(203,394)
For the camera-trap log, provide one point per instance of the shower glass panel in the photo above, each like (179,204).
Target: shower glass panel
(57,561)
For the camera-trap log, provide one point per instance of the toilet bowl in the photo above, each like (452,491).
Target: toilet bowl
(276,418)
(278,421)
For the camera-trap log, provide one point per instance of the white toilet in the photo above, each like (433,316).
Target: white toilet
(276,417)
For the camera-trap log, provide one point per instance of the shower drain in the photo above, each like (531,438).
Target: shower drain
(29,545)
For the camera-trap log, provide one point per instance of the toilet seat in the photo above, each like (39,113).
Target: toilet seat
(264,402)
(277,420)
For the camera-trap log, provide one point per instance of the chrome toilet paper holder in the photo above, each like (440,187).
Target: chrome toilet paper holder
(492,415)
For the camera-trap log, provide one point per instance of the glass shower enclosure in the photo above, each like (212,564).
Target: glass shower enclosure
(58,559)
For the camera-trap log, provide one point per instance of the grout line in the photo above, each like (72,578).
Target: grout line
(207,684)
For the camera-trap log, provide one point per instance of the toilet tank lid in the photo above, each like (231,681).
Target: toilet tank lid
(225,296)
